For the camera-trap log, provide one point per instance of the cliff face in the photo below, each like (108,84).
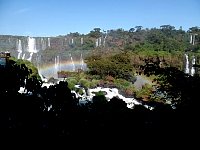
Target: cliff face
(42,50)
(57,52)
(68,52)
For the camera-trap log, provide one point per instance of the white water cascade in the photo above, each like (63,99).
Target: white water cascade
(82,62)
(23,57)
(191,39)
(187,69)
(57,65)
(19,49)
(100,41)
(31,47)
(110,93)
(72,41)
(192,69)
(43,47)
(97,42)
(72,62)
(30,57)
(49,42)
(104,40)
(81,41)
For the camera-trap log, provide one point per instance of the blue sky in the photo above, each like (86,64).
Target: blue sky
(60,17)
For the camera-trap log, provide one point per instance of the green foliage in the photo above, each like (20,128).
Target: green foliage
(19,73)
(95,33)
(88,45)
(83,82)
(94,83)
(80,91)
(117,66)
(99,93)
(144,92)
(71,83)
(30,66)
(121,83)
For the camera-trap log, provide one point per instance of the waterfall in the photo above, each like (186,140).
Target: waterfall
(187,70)
(97,44)
(66,41)
(72,41)
(191,39)
(42,77)
(23,57)
(30,57)
(31,47)
(193,63)
(49,42)
(104,40)
(100,41)
(58,62)
(82,62)
(19,49)
(72,62)
(43,47)
(38,60)
(56,65)
(81,41)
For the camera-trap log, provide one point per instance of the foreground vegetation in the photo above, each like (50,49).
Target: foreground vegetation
(55,112)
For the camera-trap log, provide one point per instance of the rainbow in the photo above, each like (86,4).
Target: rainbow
(50,70)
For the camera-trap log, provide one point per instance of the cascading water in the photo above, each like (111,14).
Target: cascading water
(43,44)
(72,41)
(57,64)
(97,43)
(100,41)
(49,42)
(191,39)
(193,63)
(187,65)
(81,41)
(82,62)
(23,57)
(19,49)
(30,57)
(72,62)
(31,47)
(187,69)
(38,60)
(104,40)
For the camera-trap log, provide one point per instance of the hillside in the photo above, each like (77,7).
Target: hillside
(165,42)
